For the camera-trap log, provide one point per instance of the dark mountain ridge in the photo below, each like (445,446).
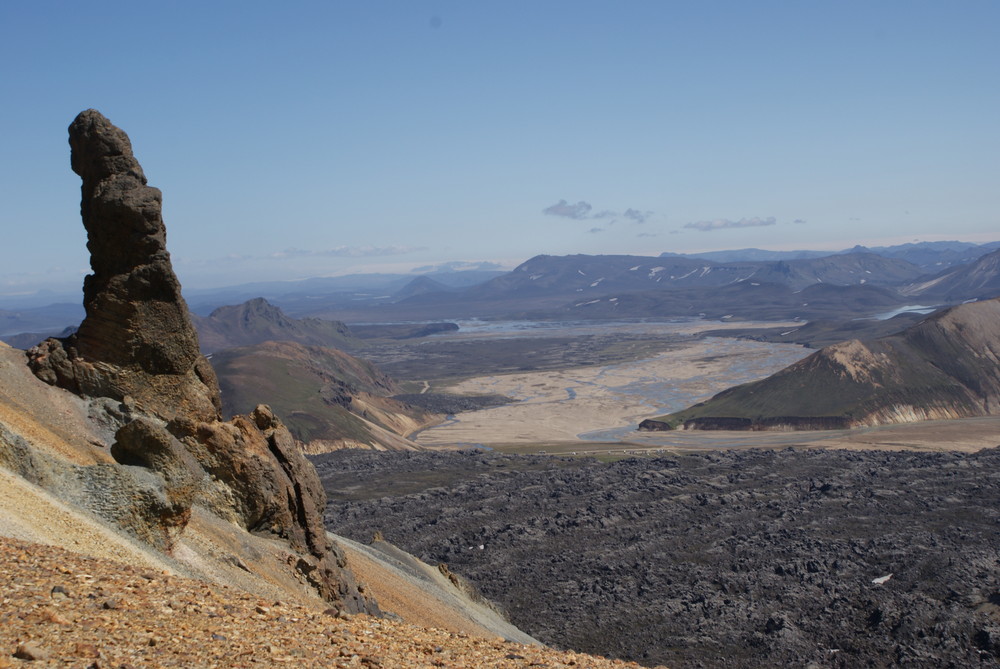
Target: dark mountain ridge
(644,286)
(599,274)
(741,301)
(929,256)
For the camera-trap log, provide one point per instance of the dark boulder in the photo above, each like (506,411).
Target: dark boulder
(650,425)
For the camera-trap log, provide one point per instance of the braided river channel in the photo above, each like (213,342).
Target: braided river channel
(605,403)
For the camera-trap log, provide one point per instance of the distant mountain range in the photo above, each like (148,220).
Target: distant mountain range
(946,366)
(327,292)
(847,285)
(929,256)
(601,274)
(608,287)
(52,318)
(746,283)
(933,256)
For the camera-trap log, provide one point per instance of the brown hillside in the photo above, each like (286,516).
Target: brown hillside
(328,399)
(946,366)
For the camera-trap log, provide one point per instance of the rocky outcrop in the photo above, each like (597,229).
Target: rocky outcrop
(261,480)
(137,339)
(137,345)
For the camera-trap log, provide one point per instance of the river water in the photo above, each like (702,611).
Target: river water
(745,361)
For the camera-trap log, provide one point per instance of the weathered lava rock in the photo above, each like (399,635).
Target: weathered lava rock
(137,339)
(274,490)
(144,443)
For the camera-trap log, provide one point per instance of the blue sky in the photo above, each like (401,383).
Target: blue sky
(301,139)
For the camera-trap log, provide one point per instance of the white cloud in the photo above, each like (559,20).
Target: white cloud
(562,208)
(581,212)
(722,223)
(636,215)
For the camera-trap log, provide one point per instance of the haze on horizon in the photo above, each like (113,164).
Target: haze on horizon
(325,138)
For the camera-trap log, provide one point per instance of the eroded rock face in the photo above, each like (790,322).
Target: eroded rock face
(137,339)
(274,490)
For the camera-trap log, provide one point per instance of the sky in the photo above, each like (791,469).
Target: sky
(300,139)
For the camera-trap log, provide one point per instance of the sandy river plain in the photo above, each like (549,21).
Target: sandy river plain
(595,409)
(574,404)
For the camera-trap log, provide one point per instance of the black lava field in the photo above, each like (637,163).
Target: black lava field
(726,559)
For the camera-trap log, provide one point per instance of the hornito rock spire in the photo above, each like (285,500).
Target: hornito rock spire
(137,345)
(137,339)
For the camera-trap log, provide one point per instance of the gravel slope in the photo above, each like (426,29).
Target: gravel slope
(61,609)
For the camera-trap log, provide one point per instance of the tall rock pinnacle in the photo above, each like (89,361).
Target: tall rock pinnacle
(137,339)
(138,345)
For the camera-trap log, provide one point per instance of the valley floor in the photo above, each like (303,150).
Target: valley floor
(582,381)
(564,407)
(607,401)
